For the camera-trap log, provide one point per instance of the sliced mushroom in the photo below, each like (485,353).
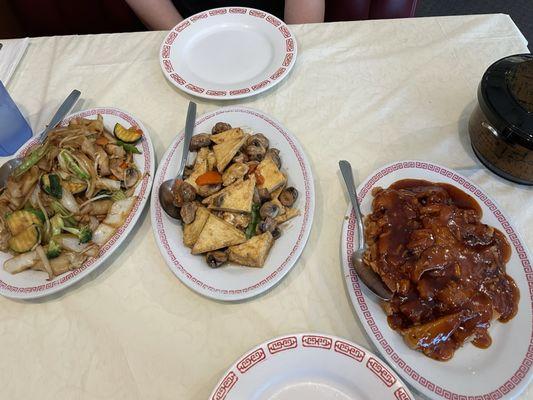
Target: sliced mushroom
(187,172)
(178,197)
(233,172)
(255,153)
(258,140)
(208,190)
(240,157)
(264,194)
(131,177)
(220,127)
(273,154)
(268,225)
(188,192)
(276,233)
(199,141)
(288,196)
(218,200)
(103,161)
(115,151)
(269,209)
(115,166)
(188,212)
(216,259)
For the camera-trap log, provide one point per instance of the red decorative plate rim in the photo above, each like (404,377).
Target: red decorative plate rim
(280,271)
(321,342)
(63,281)
(291,50)
(522,375)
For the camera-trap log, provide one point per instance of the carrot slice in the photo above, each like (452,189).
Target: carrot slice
(260,179)
(102,141)
(209,178)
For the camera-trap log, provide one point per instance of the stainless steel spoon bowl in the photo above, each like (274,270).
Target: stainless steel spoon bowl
(8,167)
(166,197)
(365,274)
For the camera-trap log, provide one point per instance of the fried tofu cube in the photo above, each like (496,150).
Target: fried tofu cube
(253,252)
(192,231)
(225,151)
(290,213)
(200,166)
(217,234)
(229,135)
(210,199)
(272,177)
(238,198)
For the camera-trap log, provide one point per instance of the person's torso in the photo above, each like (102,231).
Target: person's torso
(190,7)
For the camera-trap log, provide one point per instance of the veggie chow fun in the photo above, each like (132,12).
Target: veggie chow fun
(68,196)
(234,200)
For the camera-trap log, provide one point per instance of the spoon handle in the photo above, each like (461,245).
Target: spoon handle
(61,112)
(347,174)
(189,128)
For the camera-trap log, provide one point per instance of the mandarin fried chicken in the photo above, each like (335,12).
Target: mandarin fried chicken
(445,268)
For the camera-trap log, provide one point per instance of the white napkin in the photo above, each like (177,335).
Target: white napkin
(10,54)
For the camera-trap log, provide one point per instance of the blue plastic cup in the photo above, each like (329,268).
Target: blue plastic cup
(14,130)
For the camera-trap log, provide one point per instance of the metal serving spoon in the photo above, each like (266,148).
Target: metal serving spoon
(8,167)
(166,197)
(365,274)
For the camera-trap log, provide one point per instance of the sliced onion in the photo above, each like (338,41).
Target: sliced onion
(34,198)
(92,251)
(93,223)
(71,243)
(69,202)
(109,184)
(102,234)
(100,197)
(44,260)
(21,262)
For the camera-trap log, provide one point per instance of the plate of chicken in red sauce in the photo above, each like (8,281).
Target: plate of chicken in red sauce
(459,323)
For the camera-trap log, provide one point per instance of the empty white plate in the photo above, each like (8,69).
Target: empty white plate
(228,53)
(311,367)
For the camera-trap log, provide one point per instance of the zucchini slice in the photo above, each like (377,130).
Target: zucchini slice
(25,240)
(75,186)
(19,220)
(130,135)
(51,185)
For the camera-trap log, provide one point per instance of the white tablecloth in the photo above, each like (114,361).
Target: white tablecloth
(370,92)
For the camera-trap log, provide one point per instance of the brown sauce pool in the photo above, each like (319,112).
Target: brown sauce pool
(445,268)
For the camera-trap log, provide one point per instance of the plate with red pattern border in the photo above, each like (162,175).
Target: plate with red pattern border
(34,284)
(310,366)
(233,282)
(501,371)
(228,53)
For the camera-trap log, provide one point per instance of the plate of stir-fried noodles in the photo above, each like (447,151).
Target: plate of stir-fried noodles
(72,201)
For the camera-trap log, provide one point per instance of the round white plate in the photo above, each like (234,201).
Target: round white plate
(228,53)
(500,372)
(34,284)
(233,282)
(312,367)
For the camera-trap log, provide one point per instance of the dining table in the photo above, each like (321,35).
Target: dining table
(370,92)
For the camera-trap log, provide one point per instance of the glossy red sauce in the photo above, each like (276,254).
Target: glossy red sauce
(445,267)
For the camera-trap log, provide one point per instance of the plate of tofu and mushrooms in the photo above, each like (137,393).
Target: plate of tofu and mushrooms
(246,205)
